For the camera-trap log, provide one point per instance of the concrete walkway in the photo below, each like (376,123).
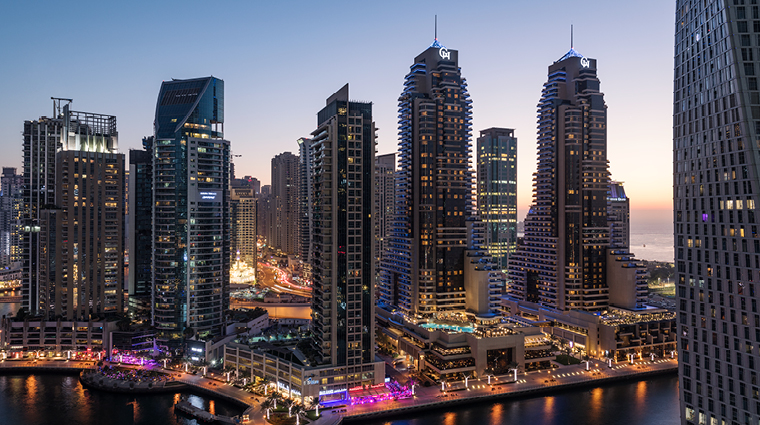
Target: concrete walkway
(532,382)
(26,364)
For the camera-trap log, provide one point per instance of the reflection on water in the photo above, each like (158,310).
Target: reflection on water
(497,411)
(450,418)
(61,400)
(654,402)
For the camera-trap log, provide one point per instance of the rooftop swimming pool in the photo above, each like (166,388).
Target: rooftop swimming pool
(450,328)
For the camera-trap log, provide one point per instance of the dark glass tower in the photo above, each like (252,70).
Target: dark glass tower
(497,192)
(343,308)
(424,269)
(562,260)
(140,226)
(191,215)
(716,127)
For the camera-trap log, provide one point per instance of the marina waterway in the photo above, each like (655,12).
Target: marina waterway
(31,399)
(653,402)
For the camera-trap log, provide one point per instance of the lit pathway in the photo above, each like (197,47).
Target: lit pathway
(526,383)
(26,364)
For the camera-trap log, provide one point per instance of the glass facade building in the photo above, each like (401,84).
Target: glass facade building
(140,221)
(423,270)
(191,215)
(497,192)
(11,201)
(716,126)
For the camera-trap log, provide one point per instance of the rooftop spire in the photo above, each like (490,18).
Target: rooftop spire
(571,36)
(436,44)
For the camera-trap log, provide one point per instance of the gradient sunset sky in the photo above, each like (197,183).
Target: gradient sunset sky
(280,60)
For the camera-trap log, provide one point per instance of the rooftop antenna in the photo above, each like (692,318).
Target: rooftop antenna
(571,36)
(436,27)
(57,105)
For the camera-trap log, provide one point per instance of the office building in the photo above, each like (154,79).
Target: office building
(716,125)
(285,202)
(497,191)
(191,215)
(423,272)
(385,194)
(11,201)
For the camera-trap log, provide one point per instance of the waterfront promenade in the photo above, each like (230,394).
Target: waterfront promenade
(530,384)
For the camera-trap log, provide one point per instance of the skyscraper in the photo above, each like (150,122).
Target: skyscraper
(423,272)
(716,125)
(619,216)
(305,199)
(264,213)
(82,235)
(53,146)
(562,262)
(343,267)
(11,202)
(497,192)
(141,227)
(243,231)
(385,193)
(285,202)
(191,215)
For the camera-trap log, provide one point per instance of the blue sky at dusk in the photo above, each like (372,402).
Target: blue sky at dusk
(281,60)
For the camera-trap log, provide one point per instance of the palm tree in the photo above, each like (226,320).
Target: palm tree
(273,397)
(267,405)
(265,381)
(513,367)
(290,405)
(297,410)
(315,404)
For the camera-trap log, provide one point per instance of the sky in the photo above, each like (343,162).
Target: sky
(280,60)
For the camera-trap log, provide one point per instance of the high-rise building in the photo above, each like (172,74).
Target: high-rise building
(191,214)
(562,262)
(243,204)
(385,193)
(140,239)
(497,192)
(285,202)
(716,125)
(619,216)
(249,182)
(74,135)
(264,213)
(423,272)
(82,235)
(305,200)
(343,309)
(11,201)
